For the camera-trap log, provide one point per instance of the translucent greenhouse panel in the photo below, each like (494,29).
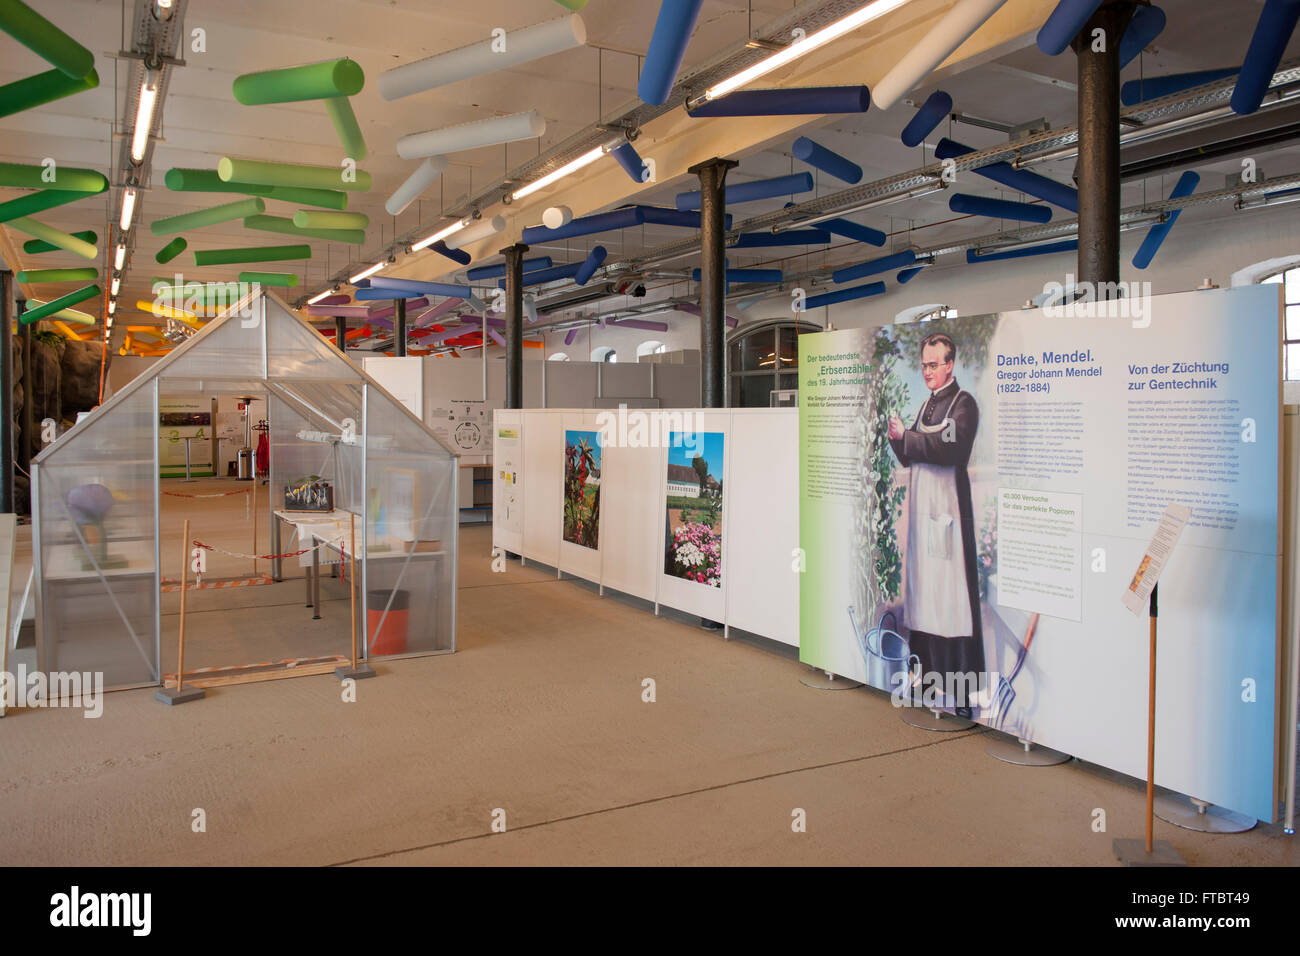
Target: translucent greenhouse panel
(229,347)
(95,540)
(298,352)
(316,435)
(410,534)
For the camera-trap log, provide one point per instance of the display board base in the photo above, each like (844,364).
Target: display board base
(1132,852)
(360,672)
(1022,753)
(1200,816)
(935,720)
(820,680)
(171,696)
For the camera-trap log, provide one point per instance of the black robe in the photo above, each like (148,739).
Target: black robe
(962,654)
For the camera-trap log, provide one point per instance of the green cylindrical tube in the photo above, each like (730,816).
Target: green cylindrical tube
(170,251)
(312,82)
(310,219)
(63,302)
(225,257)
(56,237)
(37,202)
(34,247)
(284,279)
(59,275)
(45,39)
(193,293)
(67,315)
(207,181)
(345,123)
(289,174)
(574,5)
(208,217)
(285,226)
(67,178)
(33,91)
(325,198)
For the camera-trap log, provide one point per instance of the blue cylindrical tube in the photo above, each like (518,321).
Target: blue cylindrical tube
(673,29)
(1185,186)
(753,190)
(590,265)
(851,230)
(907,275)
(382,284)
(548,275)
(999,208)
(1147,24)
(455,255)
(794,237)
(631,162)
(827,160)
(792,102)
(1154,87)
(1272,33)
(844,295)
(497,271)
(897,260)
(1064,24)
(586,226)
(930,115)
(1022,180)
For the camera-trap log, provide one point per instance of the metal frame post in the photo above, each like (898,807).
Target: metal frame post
(713,234)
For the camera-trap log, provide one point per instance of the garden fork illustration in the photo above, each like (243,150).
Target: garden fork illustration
(1005,695)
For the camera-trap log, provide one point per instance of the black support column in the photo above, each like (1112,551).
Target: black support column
(1098,169)
(514,324)
(6,392)
(399,327)
(341,334)
(28,444)
(713,211)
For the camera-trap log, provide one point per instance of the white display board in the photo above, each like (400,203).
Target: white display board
(746,565)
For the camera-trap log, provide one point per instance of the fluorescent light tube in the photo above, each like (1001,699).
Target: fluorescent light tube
(367,273)
(144,116)
(112,306)
(128,208)
(316,298)
(119,257)
(114,286)
(586,159)
(872,11)
(438,236)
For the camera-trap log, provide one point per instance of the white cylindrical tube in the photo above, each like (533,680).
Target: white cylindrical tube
(954,29)
(487,132)
(556,216)
(500,52)
(424,176)
(480,230)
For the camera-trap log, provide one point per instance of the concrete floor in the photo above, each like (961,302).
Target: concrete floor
(539,714)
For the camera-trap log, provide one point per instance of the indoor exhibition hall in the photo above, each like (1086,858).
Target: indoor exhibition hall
(675,433)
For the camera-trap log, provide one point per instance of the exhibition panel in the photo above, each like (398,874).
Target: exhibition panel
(977,495)
(655,483)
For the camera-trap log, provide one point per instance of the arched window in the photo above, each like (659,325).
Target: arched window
(763,358)
(650,347)
(558,357)
(1290,281)
(604,353)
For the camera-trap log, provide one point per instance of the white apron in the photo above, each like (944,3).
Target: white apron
(936,600)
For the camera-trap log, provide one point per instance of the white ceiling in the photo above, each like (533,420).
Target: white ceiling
(202,122)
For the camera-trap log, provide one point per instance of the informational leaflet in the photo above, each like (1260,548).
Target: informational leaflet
(1137,596)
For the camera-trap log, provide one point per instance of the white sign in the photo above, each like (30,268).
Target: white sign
(1137,597)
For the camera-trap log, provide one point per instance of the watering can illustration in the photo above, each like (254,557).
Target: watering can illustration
(890,663)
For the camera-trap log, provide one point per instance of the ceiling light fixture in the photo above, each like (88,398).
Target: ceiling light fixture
(112,306)
(128,207)
(586,159)
(316,298)
(814,41)
(367,273)
(119,257)
(115,285)
(144,116)
(438,236)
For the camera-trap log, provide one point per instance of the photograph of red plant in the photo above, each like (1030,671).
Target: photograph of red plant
(582,488)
